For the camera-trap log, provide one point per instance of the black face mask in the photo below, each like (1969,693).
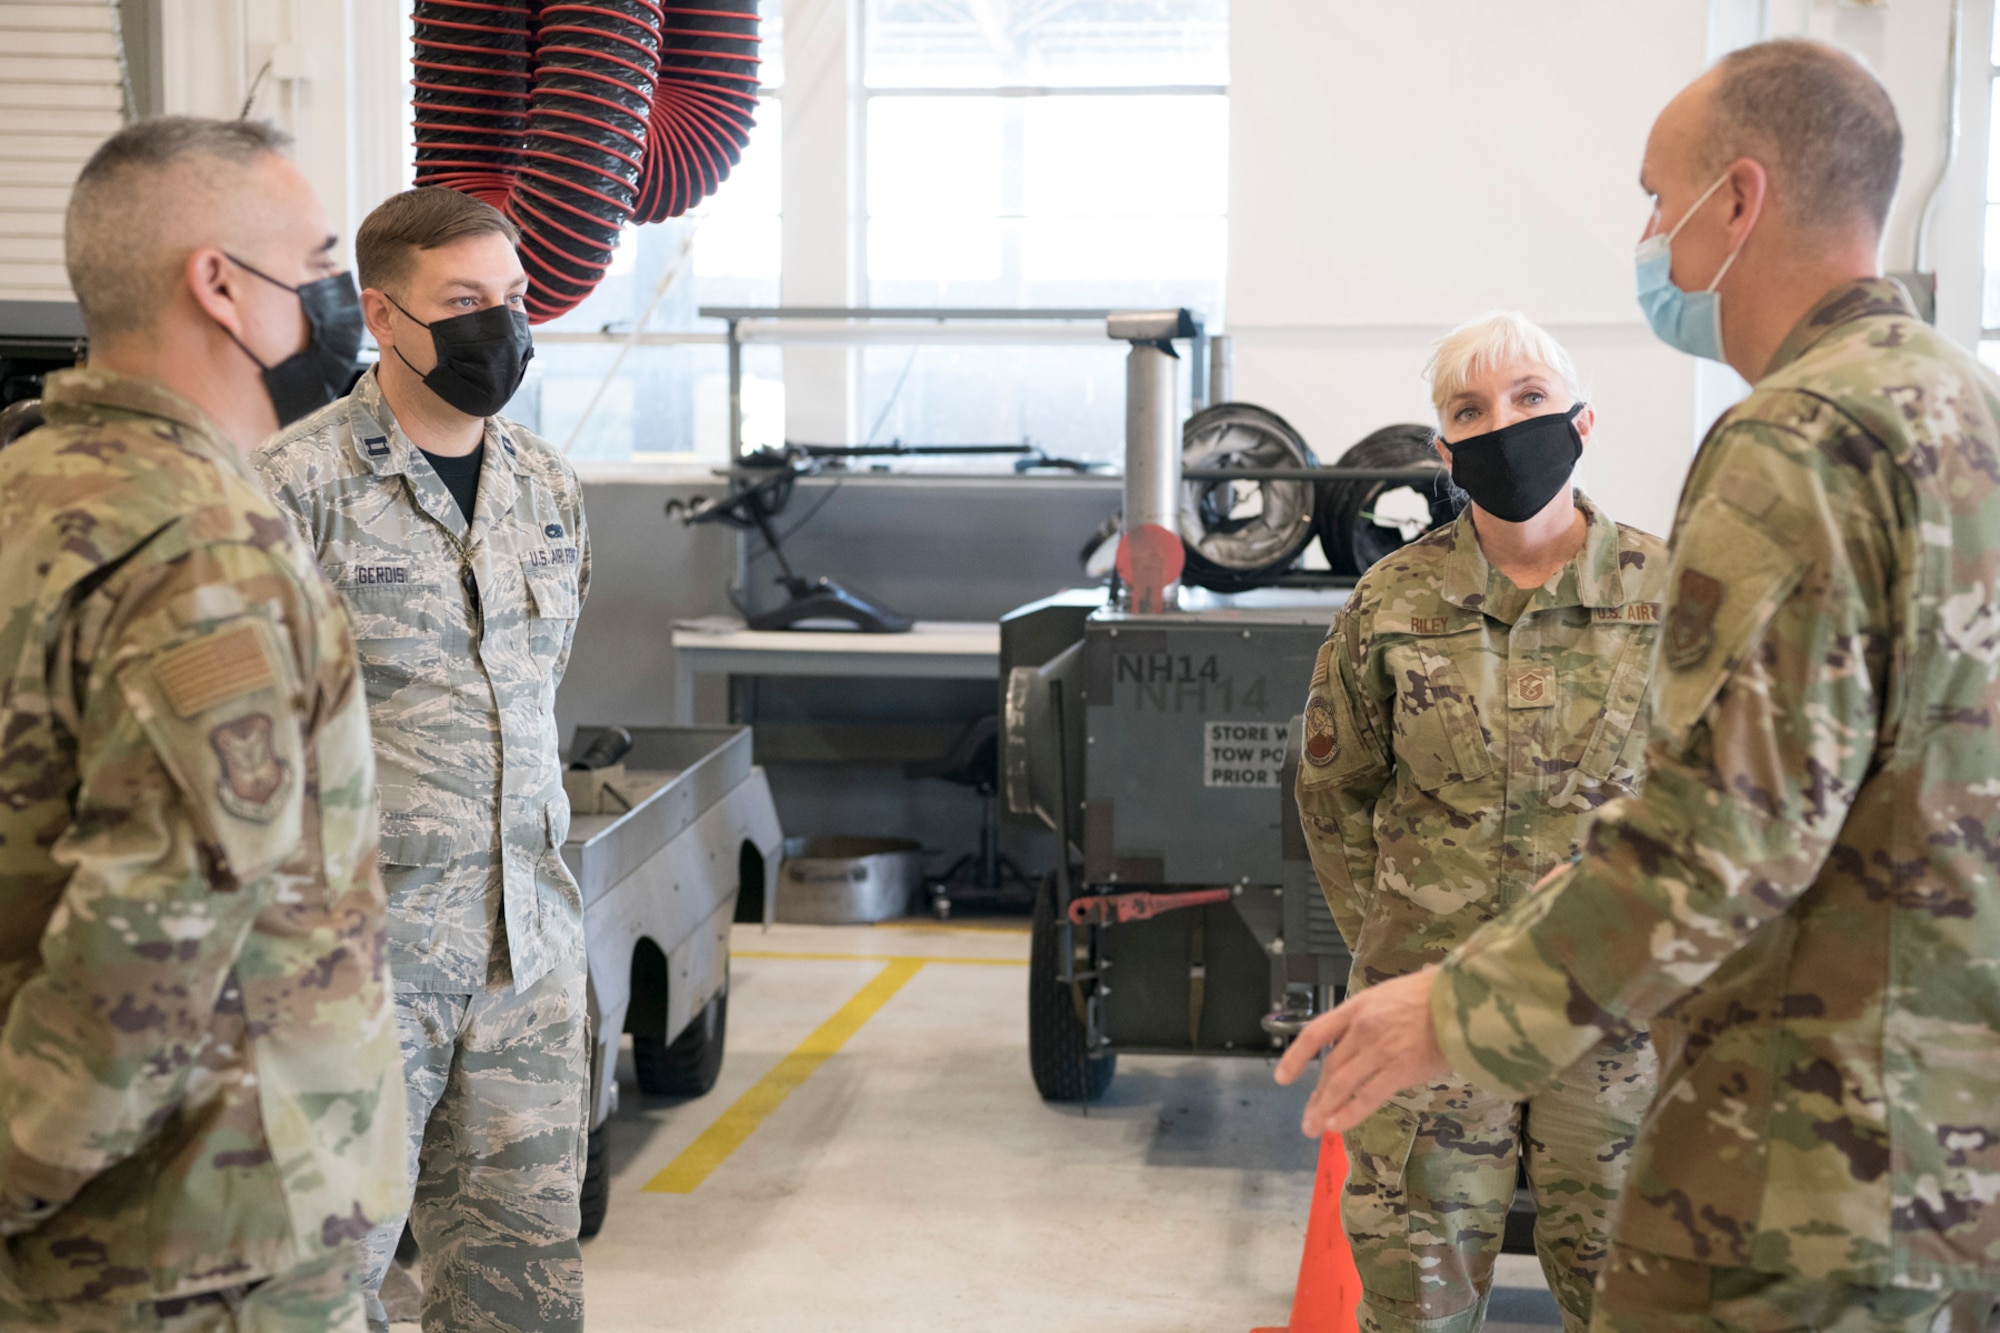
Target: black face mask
(323,369)
(1514,472)
(481,357)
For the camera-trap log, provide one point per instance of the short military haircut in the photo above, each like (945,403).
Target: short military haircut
(386,247)
(1821,124)
(1501,339)
(150,195)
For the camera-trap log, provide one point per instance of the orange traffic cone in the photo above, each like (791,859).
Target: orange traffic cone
(1329,1288)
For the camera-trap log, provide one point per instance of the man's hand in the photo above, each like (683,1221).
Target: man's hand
(1378,1043)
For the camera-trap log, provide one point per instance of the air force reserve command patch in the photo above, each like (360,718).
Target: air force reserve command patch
(1691,625)
(225,726)
(1322,741)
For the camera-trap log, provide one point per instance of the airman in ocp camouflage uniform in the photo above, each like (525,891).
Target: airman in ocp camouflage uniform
(1809,881)
(1803,900)
(464,614)
(198,1076)
(1459,732)
(201,1110)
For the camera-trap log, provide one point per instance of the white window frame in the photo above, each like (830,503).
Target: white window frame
(1983,73)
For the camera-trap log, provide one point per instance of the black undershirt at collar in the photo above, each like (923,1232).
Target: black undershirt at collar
(460,475)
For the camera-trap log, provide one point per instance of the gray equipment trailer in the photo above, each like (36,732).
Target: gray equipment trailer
(1160,745)
(661,881)
(1154,731)
(1163,748)
(1184,915)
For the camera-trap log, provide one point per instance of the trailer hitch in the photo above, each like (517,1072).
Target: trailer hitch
(1289,1019)
(1103,909)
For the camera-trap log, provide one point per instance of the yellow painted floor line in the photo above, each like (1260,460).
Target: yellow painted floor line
(878,958)
(740,1121)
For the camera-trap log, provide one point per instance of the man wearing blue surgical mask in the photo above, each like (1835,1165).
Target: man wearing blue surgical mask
(1726,266)
(1803,901)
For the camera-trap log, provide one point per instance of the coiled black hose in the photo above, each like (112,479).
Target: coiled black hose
(574,117)
(704,107)
(473,72)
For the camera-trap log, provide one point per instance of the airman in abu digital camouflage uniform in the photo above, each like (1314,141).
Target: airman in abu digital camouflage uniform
(199,1088)
(1460,730)
(1803,900)
(457,540)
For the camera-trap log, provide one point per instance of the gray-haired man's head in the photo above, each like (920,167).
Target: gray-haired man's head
(1819,122)
(151,195)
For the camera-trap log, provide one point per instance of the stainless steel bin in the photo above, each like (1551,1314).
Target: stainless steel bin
(848,881)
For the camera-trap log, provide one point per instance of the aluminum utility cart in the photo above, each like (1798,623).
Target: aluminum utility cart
(666,836)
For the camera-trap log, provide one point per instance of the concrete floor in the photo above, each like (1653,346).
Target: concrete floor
(915,1181)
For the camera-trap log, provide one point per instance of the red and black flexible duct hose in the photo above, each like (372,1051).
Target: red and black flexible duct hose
(705,104)
(574,117)
(473,78)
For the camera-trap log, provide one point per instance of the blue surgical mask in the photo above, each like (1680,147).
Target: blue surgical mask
(1689,321)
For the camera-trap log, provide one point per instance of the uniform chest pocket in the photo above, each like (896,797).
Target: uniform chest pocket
(1616,748)
(395,633)
(1440,737)
(552,610)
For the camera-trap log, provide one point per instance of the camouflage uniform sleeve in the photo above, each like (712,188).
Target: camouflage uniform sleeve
(191,779)
(1766,710)
(1344,766)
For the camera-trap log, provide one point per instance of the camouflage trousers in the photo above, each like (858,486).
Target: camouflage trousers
(1431,1175)
(499,1092)
(320,1297)
(1652,1293)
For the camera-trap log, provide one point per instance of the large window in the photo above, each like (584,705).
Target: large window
(1057,153)
(668,400)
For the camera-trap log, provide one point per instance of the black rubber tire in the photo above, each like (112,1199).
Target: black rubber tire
(1202,572)
(1065,1069)
(595,1196)
(1349,543)
(690,1064)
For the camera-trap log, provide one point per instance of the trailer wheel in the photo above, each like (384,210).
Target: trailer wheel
(595,1197)
(1059,1054)
(690,1064)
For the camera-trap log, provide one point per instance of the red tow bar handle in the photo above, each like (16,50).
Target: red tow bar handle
(1103,909)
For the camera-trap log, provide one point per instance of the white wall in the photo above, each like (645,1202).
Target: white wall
(1398,168)
(336,84)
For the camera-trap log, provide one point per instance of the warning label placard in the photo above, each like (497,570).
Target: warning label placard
(1242,754)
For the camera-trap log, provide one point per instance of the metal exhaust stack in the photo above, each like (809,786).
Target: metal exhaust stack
(1150,553)
(1221,369)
